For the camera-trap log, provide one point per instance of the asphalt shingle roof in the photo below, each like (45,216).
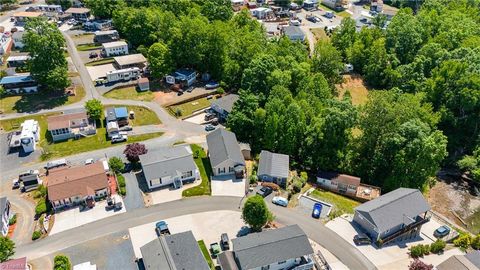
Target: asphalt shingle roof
(226,102)
(167,161)
(394,208)
(223,145)
(264,248)
(470,261)
(273,164)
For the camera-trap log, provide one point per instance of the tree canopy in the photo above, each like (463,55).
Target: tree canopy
(7,248)
(94,109)
(255,212)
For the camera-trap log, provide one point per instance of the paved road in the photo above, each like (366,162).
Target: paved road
(314,229)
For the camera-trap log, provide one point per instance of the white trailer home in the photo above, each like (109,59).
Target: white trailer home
(123,74)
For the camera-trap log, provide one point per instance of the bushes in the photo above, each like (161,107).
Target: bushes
(36,235)
(121,185)
(437,246)
(41,192)
(253,179)
(116,164)
(463,241)
(274,186)
(61,262)
(419,250)
(476,242)
(13,220)
(41,207)
(299,182)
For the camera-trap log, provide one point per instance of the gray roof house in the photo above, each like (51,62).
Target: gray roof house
(224,153)
(470,261)
(223,106)
(283,248)
(173,252)
(294,33)
(273,167)
(4,215)
(397,215)
(169,166)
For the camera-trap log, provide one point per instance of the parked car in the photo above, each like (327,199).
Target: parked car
(317,209)
(209,128)
(119,138)
(93,55)
(212,85)
(56,163)
(280,201)
(224,241)
(29,172)
(362,239)
(15,183)
(126,128)
(214,122)
(161,228)
(265,191)
(215,249)
(442,231)
(209,116)
(89,161)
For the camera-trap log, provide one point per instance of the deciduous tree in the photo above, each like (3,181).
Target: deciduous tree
(255,212)
(94,109)
(7,248)
(133,151)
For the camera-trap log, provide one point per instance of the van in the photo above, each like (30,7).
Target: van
(224,241)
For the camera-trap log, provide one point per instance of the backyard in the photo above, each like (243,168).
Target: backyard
(319,34)
(143,116)
(203,163)
(355,85)
(188,108)
(102,61)
(131,93)
(341,203)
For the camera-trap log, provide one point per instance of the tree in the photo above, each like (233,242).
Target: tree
(255,212)
(116,164)
(7,248)
(133,151)
(379,70)
(327,60)
(217,10)
(470,164)
(416,264)
(103,9)
(159,60)
(476,242)
(344,36)
(46,45)
(94,109)
(61,262)
(438,246)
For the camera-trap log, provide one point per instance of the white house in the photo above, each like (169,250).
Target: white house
(4,215)
(172,166)
(294,33)
(225,154)
(20,83)
(262,13)
(27,137)
(123,74)
(115,48)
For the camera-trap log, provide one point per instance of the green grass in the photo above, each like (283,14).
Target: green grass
(203,163)
(178,142)
(100,62)
(13,124)
(188,108)
(129,93)
(88,47)
(143,116)
(319,34)
(344,14)
(473,222)
(340,203)
(205,253)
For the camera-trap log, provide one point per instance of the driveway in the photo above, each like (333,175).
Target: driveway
(134,197)
(96,72)
(73,218)
(227,185)
(206,226)
(169,194)
(196,119)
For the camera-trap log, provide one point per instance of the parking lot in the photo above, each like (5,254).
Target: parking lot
(227,185)
(206,226)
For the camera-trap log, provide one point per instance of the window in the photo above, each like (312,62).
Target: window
(155,182)
(187,174)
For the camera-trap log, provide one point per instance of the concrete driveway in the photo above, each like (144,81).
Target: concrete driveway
(169,194)
(72,218)
(206,226)
(96,72)
(227,185)
(196,119)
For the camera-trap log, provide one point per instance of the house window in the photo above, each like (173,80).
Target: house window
(187,174)
(155,182)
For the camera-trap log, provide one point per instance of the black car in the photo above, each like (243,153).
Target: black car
(265,191)
(224,241)
(362,239)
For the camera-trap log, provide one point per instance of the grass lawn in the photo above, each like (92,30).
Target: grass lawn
(319,34)
(188,108)
(100,62)
(344,14)
(341,203)
(88,47)
(129,93)
(203,163)
(355,85)
(13,124)
(143,116)
(205,253)
(38,101)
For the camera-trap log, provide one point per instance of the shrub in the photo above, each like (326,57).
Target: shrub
(41,207)
(121,180)
(253,179)
(61,262)
(437,246)
(419,265)
(116,164)
(463,241)
(13,220)
(122,191)
(220,91)
(297,185)
(36,235)
(41,192)
(476,242)
(419,250)
(272,185)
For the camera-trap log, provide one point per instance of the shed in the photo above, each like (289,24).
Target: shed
(143,84)
(246,150)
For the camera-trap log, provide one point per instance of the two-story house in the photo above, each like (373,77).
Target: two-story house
(115,48)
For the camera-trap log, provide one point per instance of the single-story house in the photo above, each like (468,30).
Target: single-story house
(22,16)
(18,39)
(105,36)
(237,4)
(172,252)
(17,60)
(187,77)
(262,13)
(283,248)
(143,84)
(397,215)
(224,153)
(68,186)
(5,209)
(310,5)
(335,4)
(27,137)
(71,124)
(131,60)
(118,114)
(246,151)
(19,83)
(81,14)
(294,33)
(224,105)
(172,166)
(49,8)
(114,48)
(98,25)
(15,264)
(347,185)
(273,167)
(469,261)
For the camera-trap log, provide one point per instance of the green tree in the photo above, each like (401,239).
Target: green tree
(217,9)
(379,71)
(61,262)
(242,118)
(471,164)
(255,212)
(327,60)
(116,164)
(94,109)
(7,248)
(47,63)
(159,60)
(254,75)
(344,36)
(103,9)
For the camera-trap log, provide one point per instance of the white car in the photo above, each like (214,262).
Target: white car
(89,161)
(280,201)
(119,138)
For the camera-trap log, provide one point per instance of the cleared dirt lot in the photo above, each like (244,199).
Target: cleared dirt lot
(167,98)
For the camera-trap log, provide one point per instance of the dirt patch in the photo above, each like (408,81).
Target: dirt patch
(355,85)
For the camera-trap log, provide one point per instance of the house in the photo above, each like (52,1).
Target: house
(335,4)
(224,153)
(469,261)
(224,105)
(294,33)
(68,186)
(49,8)
(273,167)
(262,13)
(172,166)
(237,4)
(80,14)
(126,74)
(18,39)
(29,180)
(397,215)
(19,83)
(347,185)
(283,248)
(100,25)
(130,61)
(5,44)
(115,48)
(17,60)
(143,84)
(246,151)
(105,36)
(71,124)
(15,264)
(118,114)
(376,5)
(5,209)
(172,252)
(310,5)
(27,137)
(186,77)
(23,16)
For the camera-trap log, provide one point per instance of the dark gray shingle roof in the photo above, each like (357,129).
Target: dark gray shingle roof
(293,31)
(167,161)
(470,261)
(264,248)
(273,164)
(394,208)
(226,102)
(223,145)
